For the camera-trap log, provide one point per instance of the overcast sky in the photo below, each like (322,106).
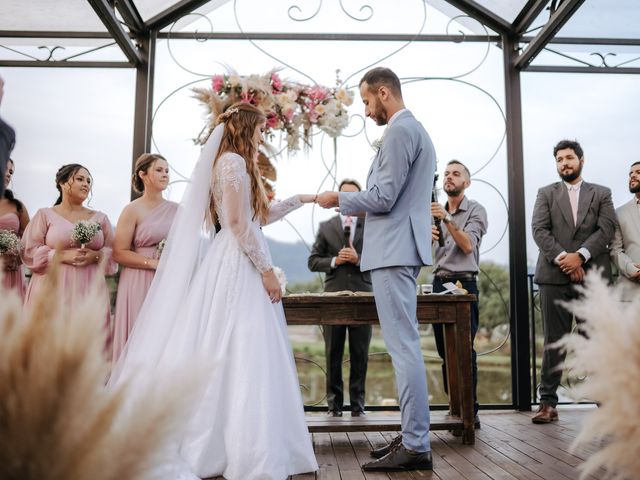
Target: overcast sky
(86,116)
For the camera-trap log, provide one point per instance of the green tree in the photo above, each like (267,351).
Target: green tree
(313,286)
(493,284)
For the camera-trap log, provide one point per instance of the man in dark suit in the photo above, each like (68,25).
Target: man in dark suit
(573,225)
(336,252)
(7,141)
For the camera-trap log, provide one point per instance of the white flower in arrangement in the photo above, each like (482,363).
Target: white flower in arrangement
(9,243)
(332,107)
(333,126)
(292,95)
(235,80)
(282,279)
(320,109)
(345,96)
(377,144)
(84,231)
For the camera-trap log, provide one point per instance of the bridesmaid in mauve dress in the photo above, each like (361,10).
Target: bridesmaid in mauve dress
(143,224)
(13,217)
(51,229)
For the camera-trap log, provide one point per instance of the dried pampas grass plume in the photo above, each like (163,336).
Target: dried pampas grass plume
(57,420)
(609,356)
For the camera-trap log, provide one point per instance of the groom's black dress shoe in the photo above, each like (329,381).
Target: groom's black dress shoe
(334,413)
(381,452)
(400,459)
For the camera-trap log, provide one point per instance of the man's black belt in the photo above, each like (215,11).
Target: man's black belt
(455,275)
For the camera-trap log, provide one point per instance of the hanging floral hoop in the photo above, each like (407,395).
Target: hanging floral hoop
(293,109)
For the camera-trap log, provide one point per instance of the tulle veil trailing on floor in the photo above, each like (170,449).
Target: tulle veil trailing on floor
(207,300)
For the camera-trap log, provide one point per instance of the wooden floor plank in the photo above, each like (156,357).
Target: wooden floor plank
(507,447)
(346,457)
(481,462)
(327,462)
(361,448)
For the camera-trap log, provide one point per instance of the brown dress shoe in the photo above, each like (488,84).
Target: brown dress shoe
(381,452)
(545,414)
(401,459)
(334,413)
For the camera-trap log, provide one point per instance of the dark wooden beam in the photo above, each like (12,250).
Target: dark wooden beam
(355,37)
(63,64)
(143,103)
(528,15)
(51,34)
(518,279)
(482,14)
(546,34)
(107,15)
(575,69)
(173,13)
(589,41)
(130,15)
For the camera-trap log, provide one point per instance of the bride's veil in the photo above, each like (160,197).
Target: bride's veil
(188,238)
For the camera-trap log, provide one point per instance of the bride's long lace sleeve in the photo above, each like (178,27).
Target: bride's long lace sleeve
(278,210)
(235,209)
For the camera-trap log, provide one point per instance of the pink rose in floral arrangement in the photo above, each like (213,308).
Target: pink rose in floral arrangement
(289,113)
(318,93)
(247,97)
(276,83)
(272,120)
(217,82)
(313,115)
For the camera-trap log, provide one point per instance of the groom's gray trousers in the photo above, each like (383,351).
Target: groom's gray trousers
(395,294)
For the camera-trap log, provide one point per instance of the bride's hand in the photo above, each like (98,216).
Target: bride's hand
(272,286)
(307,198)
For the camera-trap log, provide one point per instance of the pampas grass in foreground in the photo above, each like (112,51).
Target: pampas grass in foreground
(57,419)
(610,359)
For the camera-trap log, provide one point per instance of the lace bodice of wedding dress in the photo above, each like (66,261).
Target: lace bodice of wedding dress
(232,193)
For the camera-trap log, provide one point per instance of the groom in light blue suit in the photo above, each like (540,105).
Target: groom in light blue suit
(397,242)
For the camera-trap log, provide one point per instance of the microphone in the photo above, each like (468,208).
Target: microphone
(436,221)
(347,235)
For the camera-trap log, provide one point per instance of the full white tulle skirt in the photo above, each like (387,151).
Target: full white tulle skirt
(250,422)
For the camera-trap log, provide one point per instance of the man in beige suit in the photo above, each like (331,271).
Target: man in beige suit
(625,250)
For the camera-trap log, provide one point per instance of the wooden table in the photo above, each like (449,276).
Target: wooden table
(453,311)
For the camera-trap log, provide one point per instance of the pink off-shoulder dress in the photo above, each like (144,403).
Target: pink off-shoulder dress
(13,279)
(48,230)
(134,283)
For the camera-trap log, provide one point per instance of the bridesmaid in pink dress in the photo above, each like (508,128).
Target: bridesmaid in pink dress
(51,229)
(13,217)
(143,224)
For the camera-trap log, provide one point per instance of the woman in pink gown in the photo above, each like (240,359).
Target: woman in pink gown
(49,235)
(13,217)
(143,224)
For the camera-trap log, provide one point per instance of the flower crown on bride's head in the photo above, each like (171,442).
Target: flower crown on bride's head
(227,114)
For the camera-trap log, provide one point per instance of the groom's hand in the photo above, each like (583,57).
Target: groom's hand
(328,199)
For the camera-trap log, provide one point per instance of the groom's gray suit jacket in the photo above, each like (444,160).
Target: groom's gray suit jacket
(397,199)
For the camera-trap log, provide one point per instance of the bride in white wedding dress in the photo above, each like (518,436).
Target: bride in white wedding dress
(220,299)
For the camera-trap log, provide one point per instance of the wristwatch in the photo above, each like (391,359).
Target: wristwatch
(447,218)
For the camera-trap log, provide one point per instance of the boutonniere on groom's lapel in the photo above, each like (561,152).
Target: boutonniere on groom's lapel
(377,144)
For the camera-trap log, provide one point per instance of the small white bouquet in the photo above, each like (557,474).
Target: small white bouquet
(9,243)
(160,247)
(282,279)
(84,231)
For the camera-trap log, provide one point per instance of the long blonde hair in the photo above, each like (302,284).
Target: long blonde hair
(241,120)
